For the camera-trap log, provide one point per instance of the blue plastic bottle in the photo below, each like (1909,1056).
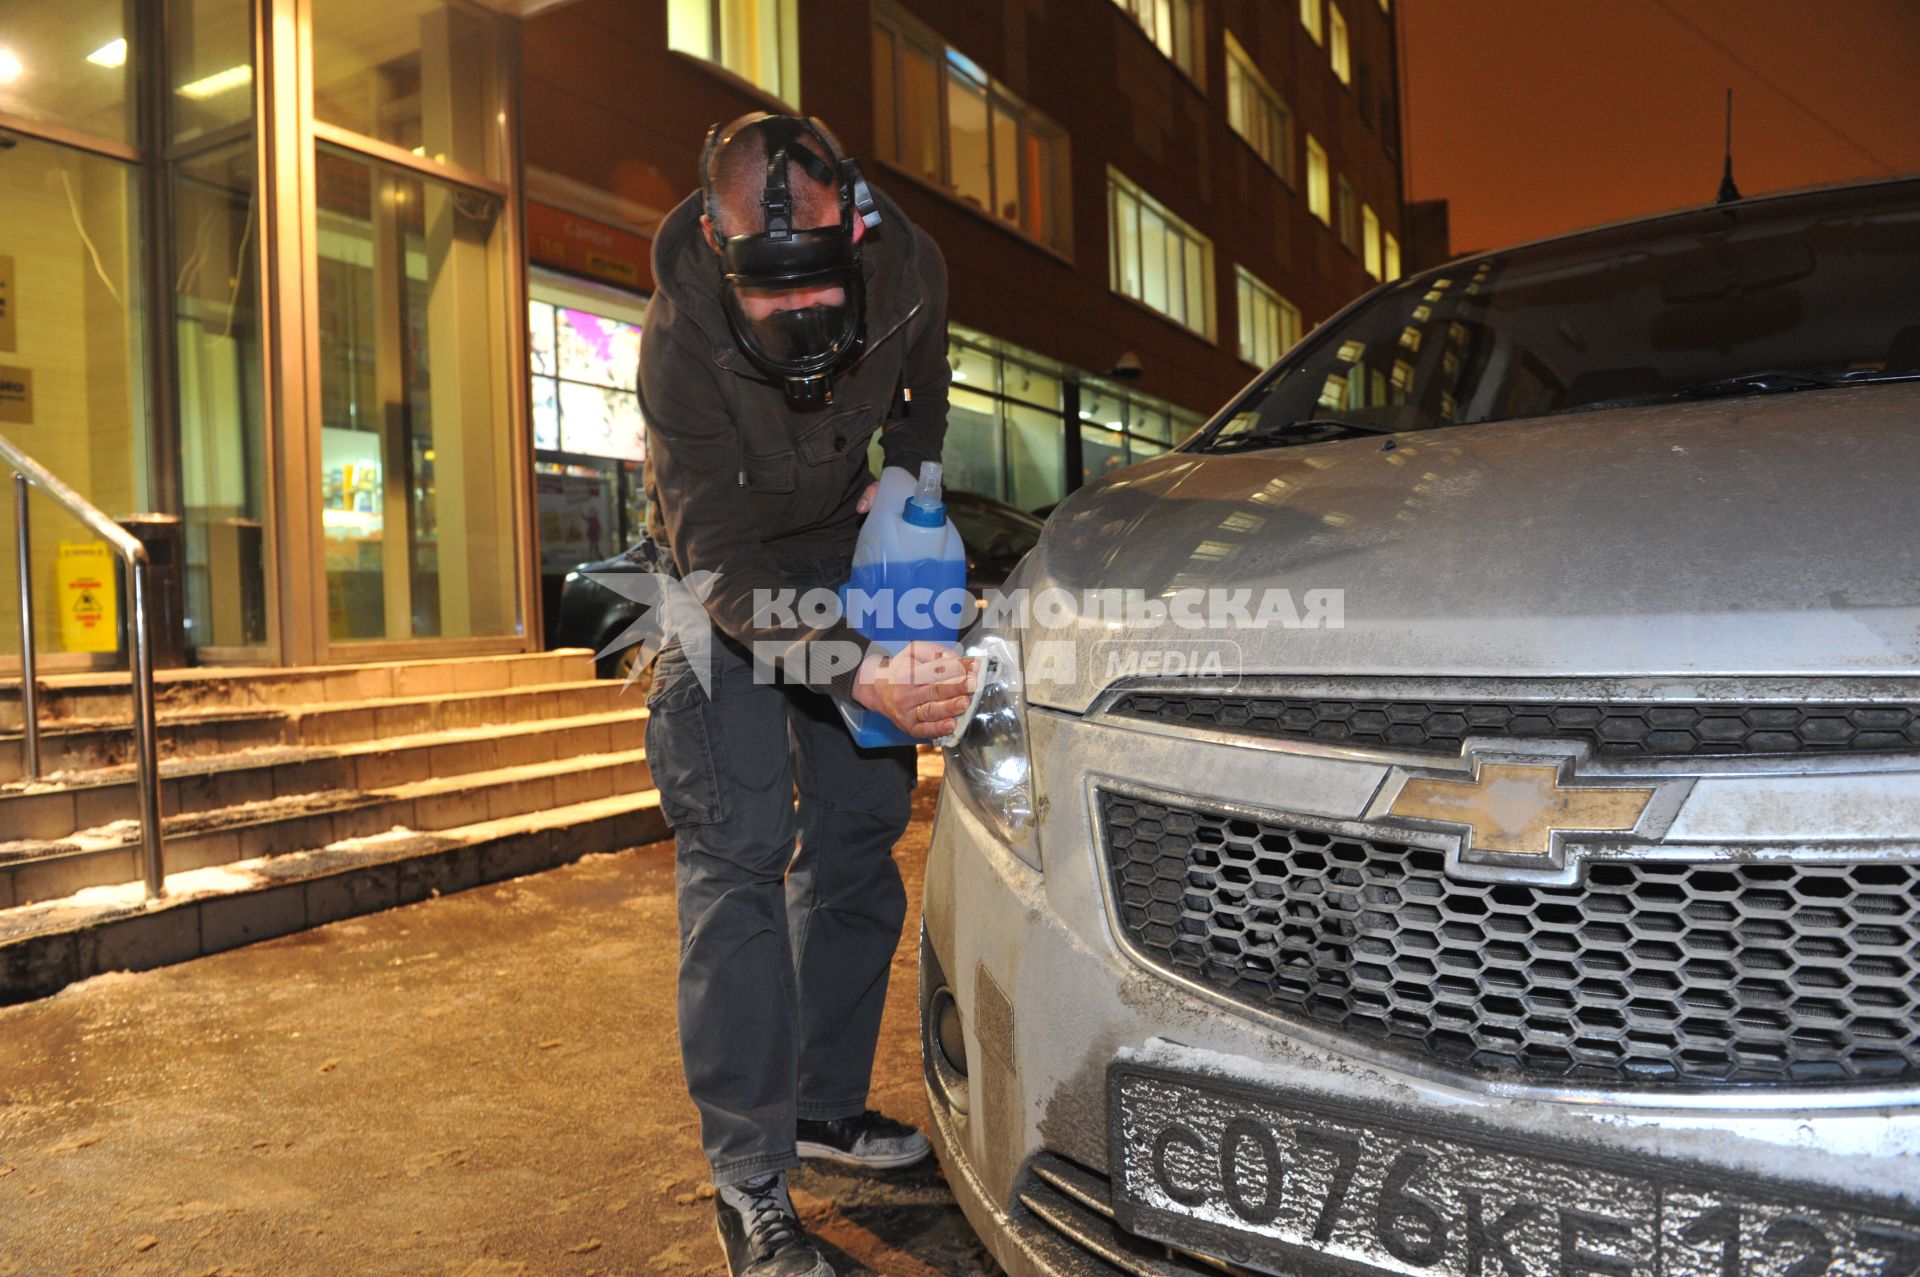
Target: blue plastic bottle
(909,581)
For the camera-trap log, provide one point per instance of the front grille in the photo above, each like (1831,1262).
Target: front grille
(1615,729)
(1652,973)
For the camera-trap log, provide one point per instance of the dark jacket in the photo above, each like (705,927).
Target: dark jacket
(740,484)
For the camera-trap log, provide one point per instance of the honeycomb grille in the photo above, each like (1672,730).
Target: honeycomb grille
(1619,729)
(1650,974)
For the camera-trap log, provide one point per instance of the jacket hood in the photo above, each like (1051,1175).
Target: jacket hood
(1761,536)
(686,302)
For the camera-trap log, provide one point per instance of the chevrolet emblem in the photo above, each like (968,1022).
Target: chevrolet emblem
(1516,808)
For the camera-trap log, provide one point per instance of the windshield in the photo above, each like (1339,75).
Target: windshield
(1800,292)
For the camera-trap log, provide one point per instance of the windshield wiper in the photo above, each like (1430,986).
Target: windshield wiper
(1763,382)
(1272,436)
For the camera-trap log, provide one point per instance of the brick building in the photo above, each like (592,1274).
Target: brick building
(349,293)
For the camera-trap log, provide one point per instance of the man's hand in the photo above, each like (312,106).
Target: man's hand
(922,688)
(866,498)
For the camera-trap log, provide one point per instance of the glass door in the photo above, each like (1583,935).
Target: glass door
(416,317)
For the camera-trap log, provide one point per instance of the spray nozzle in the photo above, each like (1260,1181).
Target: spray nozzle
(925,507)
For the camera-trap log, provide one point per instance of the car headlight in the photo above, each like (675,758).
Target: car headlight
(990,764)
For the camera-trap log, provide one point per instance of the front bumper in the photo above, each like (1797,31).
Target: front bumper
(1049,998)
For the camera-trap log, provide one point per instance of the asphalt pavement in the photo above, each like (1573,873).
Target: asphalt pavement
(481,1085)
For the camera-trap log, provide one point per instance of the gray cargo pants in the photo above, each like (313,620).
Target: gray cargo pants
(784,954)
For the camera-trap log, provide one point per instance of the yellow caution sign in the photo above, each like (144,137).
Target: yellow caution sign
(89,615)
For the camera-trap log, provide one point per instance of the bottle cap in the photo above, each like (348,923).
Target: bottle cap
(925,509)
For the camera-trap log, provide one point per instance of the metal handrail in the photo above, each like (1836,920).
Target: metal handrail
(140,641)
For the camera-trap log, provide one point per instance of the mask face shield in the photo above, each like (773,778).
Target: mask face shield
(796,305)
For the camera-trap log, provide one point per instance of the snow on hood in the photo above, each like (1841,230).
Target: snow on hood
(1764,535)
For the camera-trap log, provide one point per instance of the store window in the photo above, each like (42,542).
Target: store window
(1338,51)
(1319,193)
(1269,323)
(938,115)
(1174,28)
(757,40)
(588,434)
(417,74)
(1256,113)
(1157,259)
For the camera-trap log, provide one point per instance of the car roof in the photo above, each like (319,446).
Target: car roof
(1654,219)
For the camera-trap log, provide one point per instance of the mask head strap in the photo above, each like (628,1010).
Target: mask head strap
(780,134)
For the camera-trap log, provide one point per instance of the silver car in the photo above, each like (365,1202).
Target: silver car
(1460,812)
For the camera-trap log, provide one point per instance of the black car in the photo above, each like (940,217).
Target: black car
(996,536)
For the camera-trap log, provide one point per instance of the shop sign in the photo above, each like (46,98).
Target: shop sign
(580,246)
(16,396)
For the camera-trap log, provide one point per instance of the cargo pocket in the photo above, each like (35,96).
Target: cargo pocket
(680,738)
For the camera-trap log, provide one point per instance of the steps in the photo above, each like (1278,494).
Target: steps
(291,794)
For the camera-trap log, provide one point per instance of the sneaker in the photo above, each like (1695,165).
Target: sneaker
(760,1232)
(870,1140)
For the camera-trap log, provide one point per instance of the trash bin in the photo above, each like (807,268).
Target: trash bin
(166,588)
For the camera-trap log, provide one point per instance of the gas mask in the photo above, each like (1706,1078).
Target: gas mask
(795,300)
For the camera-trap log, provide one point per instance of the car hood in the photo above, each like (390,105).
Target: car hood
(1763,535)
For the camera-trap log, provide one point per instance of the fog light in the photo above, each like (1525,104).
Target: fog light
(947,1032)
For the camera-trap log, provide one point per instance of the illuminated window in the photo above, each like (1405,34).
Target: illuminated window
(1370,239)
(1157,259)
(1346,214)
(1310,19)
(938,115)
(1269,323)
(1172,25)
(1337,45)
(757,40)
(1256,113)
(1391,252)
(1319,200)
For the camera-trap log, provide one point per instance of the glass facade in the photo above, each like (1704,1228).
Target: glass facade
(416,323)
(1119,427)
(416,481)
(74,342)
(417,74)
(68,66)
(1004,422)
(155,378)
(1012,426)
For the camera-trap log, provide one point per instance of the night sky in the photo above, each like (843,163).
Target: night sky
(1537,116)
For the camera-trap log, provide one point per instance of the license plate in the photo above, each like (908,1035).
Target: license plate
(1267,1179)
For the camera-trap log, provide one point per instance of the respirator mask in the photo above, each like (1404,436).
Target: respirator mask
(795,300)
